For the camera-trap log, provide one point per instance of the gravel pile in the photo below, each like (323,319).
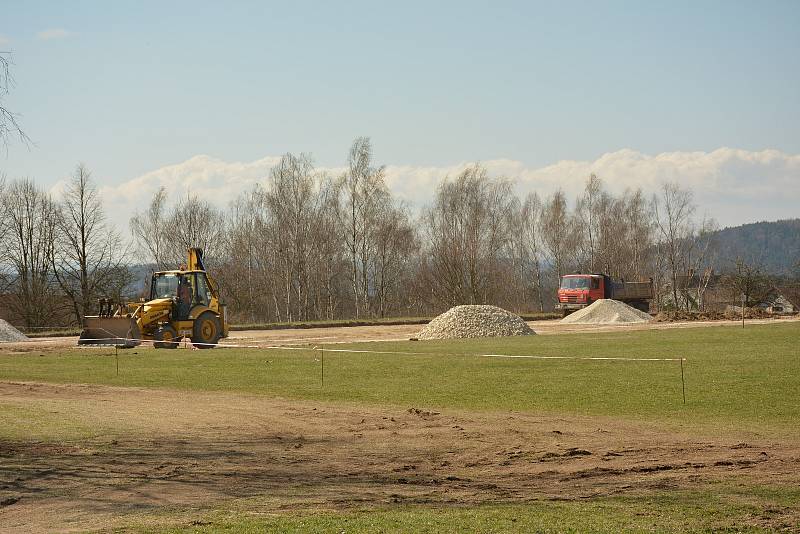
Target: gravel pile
(9,333)
(475,321)
(607,311)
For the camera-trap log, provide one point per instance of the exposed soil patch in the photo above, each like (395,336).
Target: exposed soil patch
(197,451)
(319,336)
(732,315)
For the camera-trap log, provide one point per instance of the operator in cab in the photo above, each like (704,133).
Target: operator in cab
(184,298)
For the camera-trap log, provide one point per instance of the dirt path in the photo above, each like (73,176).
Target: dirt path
(166,451)
(355,334)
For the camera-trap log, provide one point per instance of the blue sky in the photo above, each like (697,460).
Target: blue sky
(134,87)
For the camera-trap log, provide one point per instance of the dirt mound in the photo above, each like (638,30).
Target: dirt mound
(607,311)
(475,321)
(9,333)
(681,316)
(731,314)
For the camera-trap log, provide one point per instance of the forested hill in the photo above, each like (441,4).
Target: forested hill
(774,245)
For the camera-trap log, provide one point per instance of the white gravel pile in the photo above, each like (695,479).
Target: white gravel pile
(607,311)
(475,321)
(9,333)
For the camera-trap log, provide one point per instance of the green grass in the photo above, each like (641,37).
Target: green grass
(754,509)
(733,376)
(22,421)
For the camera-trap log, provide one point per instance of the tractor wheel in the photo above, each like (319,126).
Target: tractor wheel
(166,338)
(206,331)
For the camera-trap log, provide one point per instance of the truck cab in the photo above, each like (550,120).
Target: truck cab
(579,290)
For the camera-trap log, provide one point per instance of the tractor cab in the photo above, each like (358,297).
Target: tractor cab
(192,286)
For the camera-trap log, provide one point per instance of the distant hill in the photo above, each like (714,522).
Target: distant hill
(774,245)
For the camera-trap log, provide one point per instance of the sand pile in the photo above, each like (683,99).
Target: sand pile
(607,311)
(475,321)
(9,333)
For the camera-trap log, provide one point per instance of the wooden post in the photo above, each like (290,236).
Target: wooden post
(742,310)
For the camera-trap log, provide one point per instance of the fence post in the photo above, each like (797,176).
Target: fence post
(743,301)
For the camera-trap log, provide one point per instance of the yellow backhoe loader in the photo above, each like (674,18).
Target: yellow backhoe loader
(183,304)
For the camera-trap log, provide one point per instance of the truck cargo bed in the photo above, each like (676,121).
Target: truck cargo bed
(631,290)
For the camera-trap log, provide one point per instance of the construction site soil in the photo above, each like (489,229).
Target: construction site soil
(356,334)
(183,451)
(177,452)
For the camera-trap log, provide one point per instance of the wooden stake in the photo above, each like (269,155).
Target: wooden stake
(683,383)
(742,310)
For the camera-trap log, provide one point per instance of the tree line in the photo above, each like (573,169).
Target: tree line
(308,245)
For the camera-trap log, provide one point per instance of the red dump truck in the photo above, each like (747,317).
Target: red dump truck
(579,290)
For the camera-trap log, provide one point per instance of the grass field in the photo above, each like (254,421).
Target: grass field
(708,511)
(732,376)
(738,383)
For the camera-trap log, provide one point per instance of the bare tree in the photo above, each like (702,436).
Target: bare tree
(329,259)
(395,242)
(586,211)
(150,232)
(674,210)
(467,231)
(364,194)
(9,124)
(239,271)
(531,215)
(748,282)
(558,232)
(193,222)
(701,256)
(89,260)
(639,235)
(291,201)
(29,216)
(5,275)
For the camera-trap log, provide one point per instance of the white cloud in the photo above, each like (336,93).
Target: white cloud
(52,33)
(734,186)
(4,40)
(211,179)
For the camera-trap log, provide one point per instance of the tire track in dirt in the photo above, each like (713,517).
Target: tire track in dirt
(181,449)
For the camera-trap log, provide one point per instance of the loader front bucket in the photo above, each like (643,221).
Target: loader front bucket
(115,331)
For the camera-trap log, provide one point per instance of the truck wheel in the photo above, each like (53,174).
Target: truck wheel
(166,338)
(564,313)
(206,331)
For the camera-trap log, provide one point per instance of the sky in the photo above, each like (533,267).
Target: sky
(203,97)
